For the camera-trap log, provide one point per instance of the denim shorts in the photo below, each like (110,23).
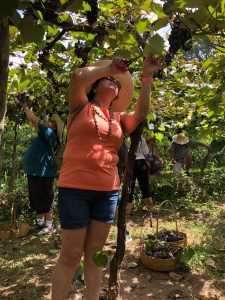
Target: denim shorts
(77,207)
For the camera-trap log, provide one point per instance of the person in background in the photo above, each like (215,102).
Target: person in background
(156,162)
(179,152)
(38,165)
(141,173)
(89,182)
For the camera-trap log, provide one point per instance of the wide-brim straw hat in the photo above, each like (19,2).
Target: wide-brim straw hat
(59,126)
(127,87)
(180,139)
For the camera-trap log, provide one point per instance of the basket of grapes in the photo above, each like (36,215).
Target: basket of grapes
(175,237)
(159,256)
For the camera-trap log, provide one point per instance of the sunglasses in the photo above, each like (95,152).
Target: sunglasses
(113,80)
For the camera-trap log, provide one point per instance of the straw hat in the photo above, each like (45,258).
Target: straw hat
(59,125)
(180,139)
(127,88)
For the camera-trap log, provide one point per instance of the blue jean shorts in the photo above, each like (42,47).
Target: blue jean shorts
(77,207)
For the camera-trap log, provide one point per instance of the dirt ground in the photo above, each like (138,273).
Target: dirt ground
(27,264)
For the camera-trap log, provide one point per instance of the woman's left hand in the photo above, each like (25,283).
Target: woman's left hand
(119,65)
(152,65)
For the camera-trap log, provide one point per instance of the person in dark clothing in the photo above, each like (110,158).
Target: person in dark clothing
(156,162)
(38,165)
(179,152)
(141,173)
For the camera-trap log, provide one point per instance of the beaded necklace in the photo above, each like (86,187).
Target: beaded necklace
(111,117)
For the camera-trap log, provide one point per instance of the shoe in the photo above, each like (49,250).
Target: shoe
(187,173)
(38,227)
(47,230)
(128,238)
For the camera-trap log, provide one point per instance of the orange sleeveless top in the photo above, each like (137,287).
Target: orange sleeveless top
(88,162)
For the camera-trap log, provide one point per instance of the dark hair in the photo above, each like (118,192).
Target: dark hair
(91,94)
(179,130)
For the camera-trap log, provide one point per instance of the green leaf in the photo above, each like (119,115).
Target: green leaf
(184,258)
(16,19)
(151,244)
(146,5)
(207,63)
(170,7)
(100,258)
(159,136)
(141,25)
(217,146)
(157,9)
(155,45)
(161,128)
(31,32)
(160,23)
(75,5)
(38,13)
(79,273)
(8,8)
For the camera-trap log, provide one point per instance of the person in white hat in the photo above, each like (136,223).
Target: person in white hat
(89,184)
(38,165)
(179,151)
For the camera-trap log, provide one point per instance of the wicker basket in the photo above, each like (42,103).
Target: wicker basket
(164,265)
(15,229)
(157,264)
(182,243)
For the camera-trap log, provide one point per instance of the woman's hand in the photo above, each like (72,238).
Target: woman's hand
(173,161)
(23,105)
(152,65)
(119,65)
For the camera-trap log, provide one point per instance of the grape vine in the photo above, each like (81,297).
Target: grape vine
(92,15)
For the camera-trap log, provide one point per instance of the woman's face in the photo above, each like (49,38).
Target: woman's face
(51,124)
(109,84)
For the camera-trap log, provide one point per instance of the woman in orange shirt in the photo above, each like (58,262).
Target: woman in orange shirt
(89,182)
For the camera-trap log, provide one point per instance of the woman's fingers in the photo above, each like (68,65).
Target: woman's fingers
(119,64)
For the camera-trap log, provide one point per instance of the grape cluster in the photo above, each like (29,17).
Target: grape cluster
(180,38)
(21,97)
(166,236)
(163,251)
(78,49)
(81,50)
(92,15)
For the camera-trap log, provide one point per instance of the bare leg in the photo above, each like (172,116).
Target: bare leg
(149,203)
(96,236)
(40,216)
(188,161)
(49,216)
(71,252)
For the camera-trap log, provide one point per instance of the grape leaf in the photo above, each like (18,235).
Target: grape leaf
(155,45)
(100,258)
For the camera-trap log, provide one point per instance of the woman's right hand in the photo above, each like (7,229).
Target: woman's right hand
(24,105)
(152,65)
(173,161)
(118,65)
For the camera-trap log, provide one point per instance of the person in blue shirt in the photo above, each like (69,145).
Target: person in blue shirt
(38,165)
